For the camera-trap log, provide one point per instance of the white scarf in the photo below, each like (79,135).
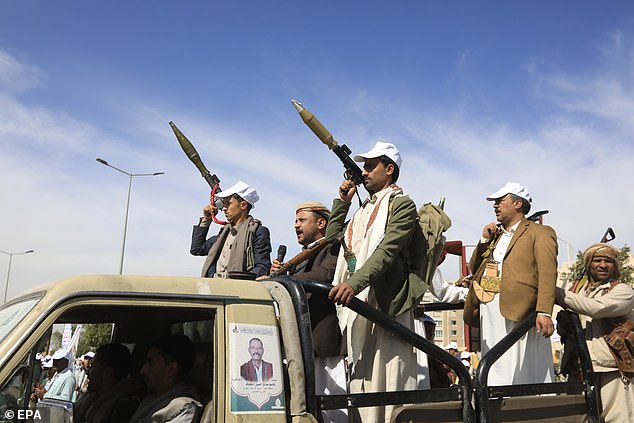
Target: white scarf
(362,235)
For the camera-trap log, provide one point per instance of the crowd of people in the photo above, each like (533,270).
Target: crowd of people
(375,257)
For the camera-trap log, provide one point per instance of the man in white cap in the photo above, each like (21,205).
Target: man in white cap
(46,378)
(242,245)
(515,272)
(81,374)
(63,383)
(381,248)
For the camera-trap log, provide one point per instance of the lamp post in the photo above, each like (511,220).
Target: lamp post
(127,207)
(6,287)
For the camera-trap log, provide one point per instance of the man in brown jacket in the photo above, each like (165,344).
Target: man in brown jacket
(515,265)
(311,219)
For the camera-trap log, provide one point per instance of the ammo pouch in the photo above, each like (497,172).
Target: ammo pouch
(621,344)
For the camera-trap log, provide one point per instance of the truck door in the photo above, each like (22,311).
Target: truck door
(135,323)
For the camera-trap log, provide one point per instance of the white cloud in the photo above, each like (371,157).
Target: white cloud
(17,76)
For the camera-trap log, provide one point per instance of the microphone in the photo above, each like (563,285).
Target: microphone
(281,252)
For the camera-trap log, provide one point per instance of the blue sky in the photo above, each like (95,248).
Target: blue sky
(474,94)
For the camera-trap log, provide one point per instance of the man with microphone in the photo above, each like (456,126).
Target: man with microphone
(311,219)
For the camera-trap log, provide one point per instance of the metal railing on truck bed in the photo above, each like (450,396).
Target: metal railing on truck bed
(461,396)
(467,402)
(576,401)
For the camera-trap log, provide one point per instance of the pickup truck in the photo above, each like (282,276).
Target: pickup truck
(220,316)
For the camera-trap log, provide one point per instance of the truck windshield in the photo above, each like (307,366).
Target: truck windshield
(12,314)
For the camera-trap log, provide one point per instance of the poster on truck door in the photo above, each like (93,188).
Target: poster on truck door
(255,369)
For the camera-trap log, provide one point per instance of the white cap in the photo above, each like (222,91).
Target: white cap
(466,363)
(47,364)
(511,188)
(465,355)
(59,354)
(381,149)
(39,356)
(451,345)
(89,354)
(247,193)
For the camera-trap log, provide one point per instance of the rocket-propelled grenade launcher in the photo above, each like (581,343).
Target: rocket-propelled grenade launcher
(353,171)
(193,155)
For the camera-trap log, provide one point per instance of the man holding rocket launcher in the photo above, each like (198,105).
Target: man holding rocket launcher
(377,263)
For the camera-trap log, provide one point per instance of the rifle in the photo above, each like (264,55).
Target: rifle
(537,216)
(193,155)
(353,171)
(581,280)
(311,249)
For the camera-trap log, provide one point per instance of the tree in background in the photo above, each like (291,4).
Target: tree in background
(93,336)
(56,342)
(627,270)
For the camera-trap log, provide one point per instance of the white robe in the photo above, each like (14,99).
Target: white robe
(530,359)
(380,362)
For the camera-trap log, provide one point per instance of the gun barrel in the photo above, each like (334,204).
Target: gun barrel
(315,125)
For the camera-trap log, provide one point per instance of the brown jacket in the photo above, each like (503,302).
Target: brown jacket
(529,274)
(323,314)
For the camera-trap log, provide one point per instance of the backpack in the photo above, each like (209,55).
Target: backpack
(433,222)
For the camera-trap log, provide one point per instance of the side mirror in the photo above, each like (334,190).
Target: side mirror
(57,411)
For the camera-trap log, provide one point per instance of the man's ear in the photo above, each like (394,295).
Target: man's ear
(389,169)
(321,223)
(244,205)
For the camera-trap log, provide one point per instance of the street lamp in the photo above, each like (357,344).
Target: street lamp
(127,207)
(6,288)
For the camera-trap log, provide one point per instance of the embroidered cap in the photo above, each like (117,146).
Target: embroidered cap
(381,149)
(89,354)
(315,207)
(511,188)
(248,194)
(465,355)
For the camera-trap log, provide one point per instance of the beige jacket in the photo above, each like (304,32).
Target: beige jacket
(529,274)
(595,308)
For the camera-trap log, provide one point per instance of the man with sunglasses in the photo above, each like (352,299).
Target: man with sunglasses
(515,268)
(242,245)
(381,248)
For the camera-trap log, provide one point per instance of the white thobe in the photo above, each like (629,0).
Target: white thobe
(530,359)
